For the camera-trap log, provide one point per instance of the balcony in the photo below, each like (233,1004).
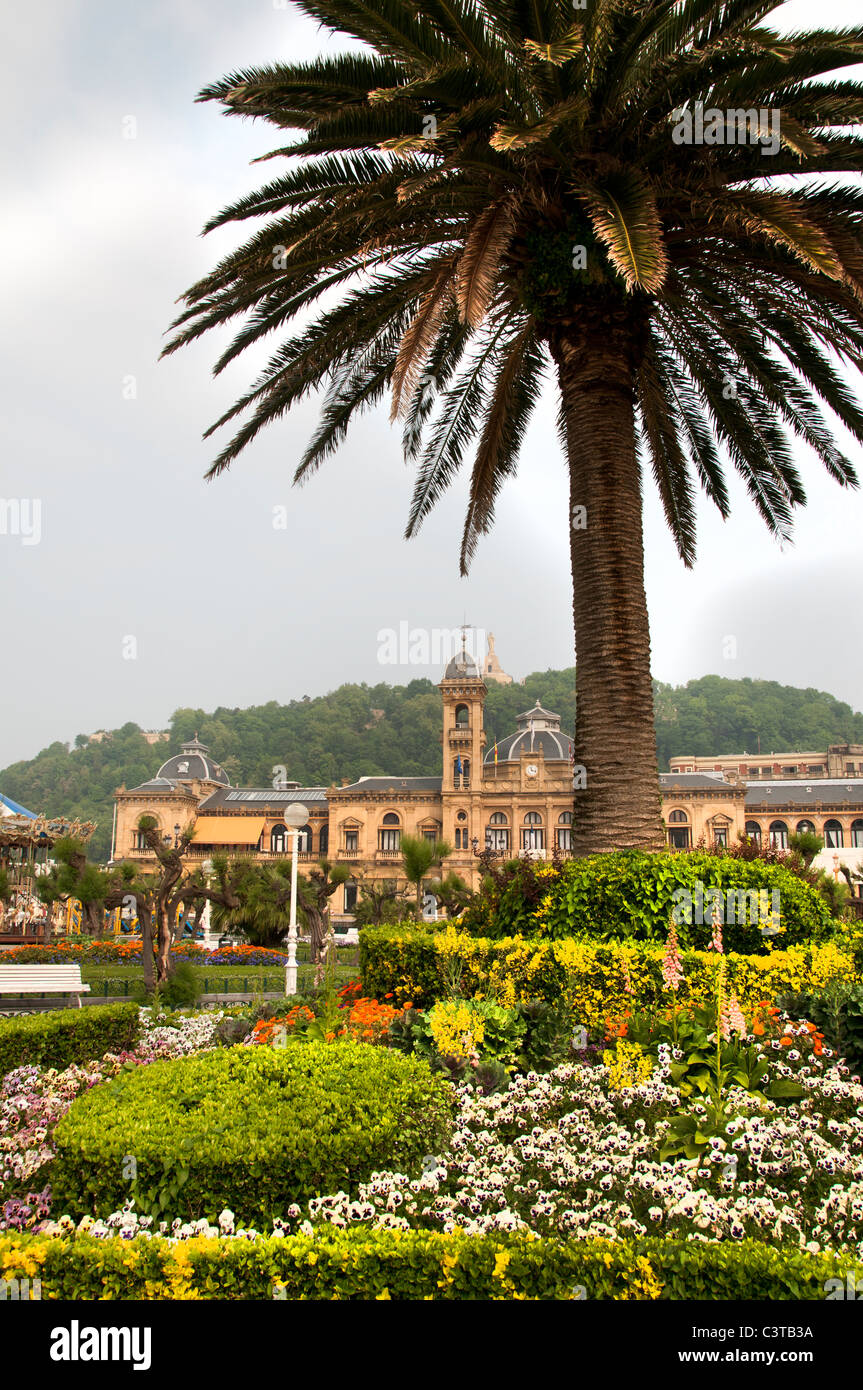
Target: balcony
(460,735)
(388,856)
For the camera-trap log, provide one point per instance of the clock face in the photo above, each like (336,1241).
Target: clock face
(532,769)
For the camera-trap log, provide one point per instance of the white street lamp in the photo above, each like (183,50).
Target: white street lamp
(295,817)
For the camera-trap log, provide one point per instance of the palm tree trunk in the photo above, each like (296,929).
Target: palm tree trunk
(615,740)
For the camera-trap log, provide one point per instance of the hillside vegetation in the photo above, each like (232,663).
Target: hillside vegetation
(380,729)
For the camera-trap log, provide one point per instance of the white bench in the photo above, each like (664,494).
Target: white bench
(42,979)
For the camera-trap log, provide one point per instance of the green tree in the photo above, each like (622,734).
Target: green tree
(418,855)
(72,877)
(517,187)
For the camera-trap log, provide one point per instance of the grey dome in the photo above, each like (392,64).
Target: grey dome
(193,764)
(462,667)
(538,731)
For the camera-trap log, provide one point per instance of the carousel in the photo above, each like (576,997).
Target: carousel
(26,841)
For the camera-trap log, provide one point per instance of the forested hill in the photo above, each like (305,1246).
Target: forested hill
(361,729)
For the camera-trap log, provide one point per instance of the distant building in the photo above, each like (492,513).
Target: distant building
(839,760)
(514,797)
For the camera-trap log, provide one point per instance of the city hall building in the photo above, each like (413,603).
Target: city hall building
(514,797)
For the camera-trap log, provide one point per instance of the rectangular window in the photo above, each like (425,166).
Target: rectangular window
(564,838)
(352,841)
(678,838)
(720,835)
(431,836)
(389,840)
(350,897)
(498,840)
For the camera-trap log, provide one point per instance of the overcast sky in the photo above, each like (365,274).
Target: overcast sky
(109,171)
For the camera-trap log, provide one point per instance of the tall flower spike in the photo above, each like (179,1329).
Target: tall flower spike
(716,943)
(672,967)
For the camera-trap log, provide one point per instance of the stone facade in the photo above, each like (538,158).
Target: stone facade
(516,796)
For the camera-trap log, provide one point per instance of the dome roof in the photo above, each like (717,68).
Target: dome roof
(193,764)
(462,667)
(538,732)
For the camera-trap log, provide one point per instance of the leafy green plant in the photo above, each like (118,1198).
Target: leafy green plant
(253,1129)
(547,1036)
(413,1265)
(837,1011)
(630,895)
(66,1036)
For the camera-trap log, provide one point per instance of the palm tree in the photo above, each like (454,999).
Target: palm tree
(418,855)
(492,188)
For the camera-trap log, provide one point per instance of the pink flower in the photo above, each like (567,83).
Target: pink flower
(672,966)
(736,1020)
(716,943)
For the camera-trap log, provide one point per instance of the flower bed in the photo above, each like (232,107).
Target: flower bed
(362,1265)
(33,1099)
(597,979)
(129,953)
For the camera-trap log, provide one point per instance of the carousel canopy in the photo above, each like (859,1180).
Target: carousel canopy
(22,828)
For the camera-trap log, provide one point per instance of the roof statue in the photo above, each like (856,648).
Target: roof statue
(493,669)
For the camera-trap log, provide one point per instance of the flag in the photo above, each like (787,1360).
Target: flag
(458,766)
(495,755)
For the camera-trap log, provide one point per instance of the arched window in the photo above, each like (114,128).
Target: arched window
(497,834)
(279,839)
(833,835)
(805,827)
(324,839)
(753,830)
(304,840)
(461,771)
(389,837)
(564,830)
(462,716)
(857,834)
(778,834)
(678,834)
(532,836)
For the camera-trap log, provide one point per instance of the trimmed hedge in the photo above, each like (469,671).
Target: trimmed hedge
(629,895)
(253,1129)
(598,979)
(364,1265)
(62,1037)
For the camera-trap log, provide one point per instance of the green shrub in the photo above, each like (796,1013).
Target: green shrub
(414,1265)
(596,980)
(252,1129)
(66,1036)
(631,895)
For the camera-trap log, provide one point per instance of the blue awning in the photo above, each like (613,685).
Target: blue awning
(15,808)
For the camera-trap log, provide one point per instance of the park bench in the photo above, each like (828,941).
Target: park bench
(42,979)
